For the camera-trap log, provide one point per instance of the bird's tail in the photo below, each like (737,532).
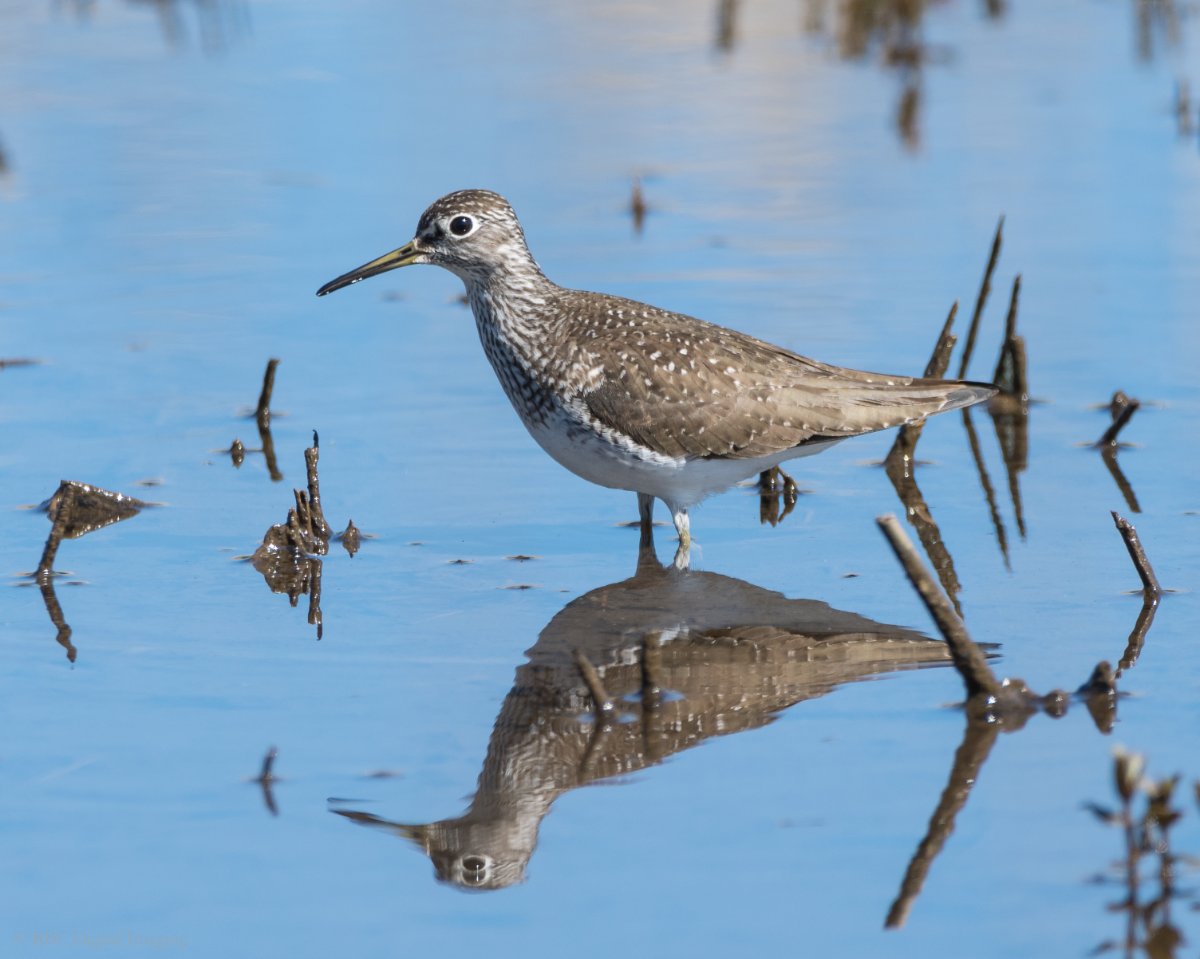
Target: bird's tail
(958,393)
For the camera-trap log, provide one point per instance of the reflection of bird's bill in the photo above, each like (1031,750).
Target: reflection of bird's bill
(405,256)
(416,833)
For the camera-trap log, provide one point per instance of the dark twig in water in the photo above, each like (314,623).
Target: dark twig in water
(1010,373)
(262,412)
(74,510)
(351,538)
(1099,694)
(268,763)
(1151,591)
(969,659)
(637,205)
(1010,408)
(984,288)
(900,465)
(1123,407)
(287,557)
(266,779)
(939,360)
(314,492)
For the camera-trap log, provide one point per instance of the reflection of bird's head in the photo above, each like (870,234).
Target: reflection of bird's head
(470,854)
(476,854)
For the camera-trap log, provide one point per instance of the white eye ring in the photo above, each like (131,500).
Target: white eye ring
(462,225)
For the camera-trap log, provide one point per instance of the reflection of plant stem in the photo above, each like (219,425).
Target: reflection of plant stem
(1146,832)
(1137,638)
(900,465)
(63,637)
(1109,455)
(986,483)
(978,739)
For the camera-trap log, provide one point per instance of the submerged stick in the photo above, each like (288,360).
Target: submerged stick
(935,369)
(311,456)
(1151,591)
(262,412)
(968,658)
(637,205)
(984,288)
(1010,373)
(266,775)
(266,778)
(1122,414)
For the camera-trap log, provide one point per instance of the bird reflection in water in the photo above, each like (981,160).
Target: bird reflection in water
(685,655)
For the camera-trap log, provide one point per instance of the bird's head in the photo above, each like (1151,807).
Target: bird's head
(472,233)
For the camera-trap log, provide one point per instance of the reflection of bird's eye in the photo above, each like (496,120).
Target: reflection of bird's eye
(461,225)
(474,869)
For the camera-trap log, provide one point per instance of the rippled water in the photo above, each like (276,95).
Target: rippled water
(178,179)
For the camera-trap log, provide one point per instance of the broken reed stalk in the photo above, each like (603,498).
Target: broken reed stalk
(262,412)
(311,456)
(1010,373)
(268,763)
(939,360)
(62,519)
(602,703)
(968,658)
(637,205)
(984,289)
(1151,591)
(1122,414)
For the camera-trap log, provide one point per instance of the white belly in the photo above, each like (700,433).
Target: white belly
(677,481)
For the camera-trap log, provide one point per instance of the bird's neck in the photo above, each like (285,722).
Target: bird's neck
(515,305)
(520,328)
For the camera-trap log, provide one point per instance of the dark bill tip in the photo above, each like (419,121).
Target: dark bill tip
(389,261)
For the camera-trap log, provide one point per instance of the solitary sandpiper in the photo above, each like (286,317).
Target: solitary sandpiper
(634,397)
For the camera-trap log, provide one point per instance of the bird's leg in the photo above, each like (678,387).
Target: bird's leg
(645,510)
(646,517)
(683,528)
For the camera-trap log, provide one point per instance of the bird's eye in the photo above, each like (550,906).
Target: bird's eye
(461,225)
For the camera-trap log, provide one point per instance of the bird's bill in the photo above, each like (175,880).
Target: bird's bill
(406,255)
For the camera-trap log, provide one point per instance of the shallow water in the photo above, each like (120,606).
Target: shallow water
(180,178)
